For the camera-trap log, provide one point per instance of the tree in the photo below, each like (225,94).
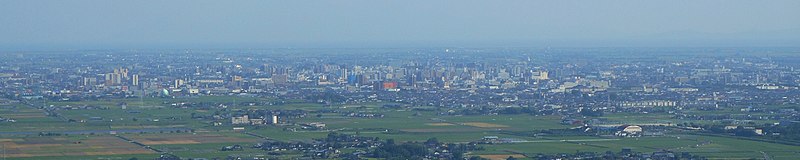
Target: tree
(403,151)
(591,113)
(432,141)
(740,131)
(458,155)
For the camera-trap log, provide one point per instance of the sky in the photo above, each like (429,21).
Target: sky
(144,24)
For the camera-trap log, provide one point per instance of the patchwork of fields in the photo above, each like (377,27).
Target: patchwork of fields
(68,146)
(21,139)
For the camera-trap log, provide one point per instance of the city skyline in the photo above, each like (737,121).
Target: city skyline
(399,80)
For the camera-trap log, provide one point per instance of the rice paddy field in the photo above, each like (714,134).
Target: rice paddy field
(89,136)
(34,147)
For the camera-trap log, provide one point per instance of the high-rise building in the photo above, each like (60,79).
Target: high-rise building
(354,79)
(123,73)
(280,79)
(89,81)
(113,79)
(544,75)
(135,80)
(540,75)
(178,83)
(117,78)
(389,85)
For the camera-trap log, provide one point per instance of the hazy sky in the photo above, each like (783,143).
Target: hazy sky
(81,24)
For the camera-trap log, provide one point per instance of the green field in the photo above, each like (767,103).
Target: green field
(401,125)
(711,147)
(104,157)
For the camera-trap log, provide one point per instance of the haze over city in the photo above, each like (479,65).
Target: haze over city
(399,80)
(89,24)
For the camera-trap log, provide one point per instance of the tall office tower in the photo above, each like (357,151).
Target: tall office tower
(116,75)
(135,80)
(236,78)
(540,75)
(116,78)
(89,81)
(124,73)
(345,74)
(178,83)
(544,75)
(267,69)
(109,79)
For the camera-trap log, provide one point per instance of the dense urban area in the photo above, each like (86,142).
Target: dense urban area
(427,103)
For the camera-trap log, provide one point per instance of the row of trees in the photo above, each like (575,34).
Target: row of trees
(393,151)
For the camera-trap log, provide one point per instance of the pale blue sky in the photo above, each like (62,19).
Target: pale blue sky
(93,24)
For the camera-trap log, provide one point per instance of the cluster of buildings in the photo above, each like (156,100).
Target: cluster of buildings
(626,153)
(551,81)
(245,120)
